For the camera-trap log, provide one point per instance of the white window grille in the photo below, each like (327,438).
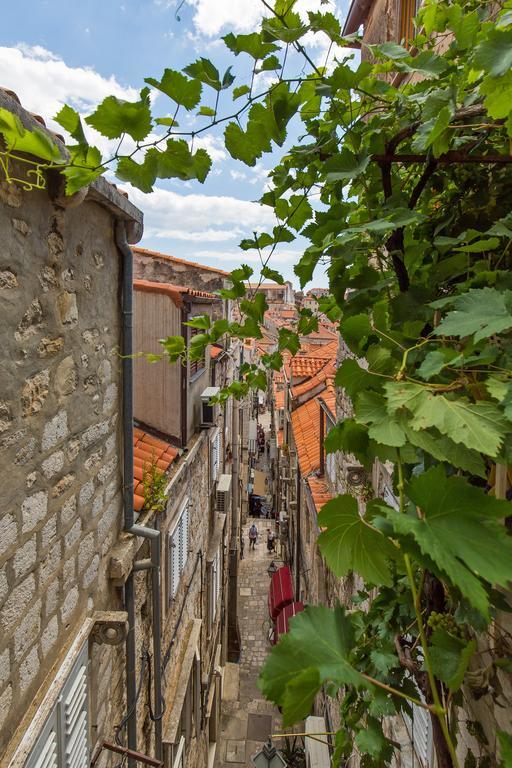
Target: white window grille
(177,543)
(64,740)
(215,457)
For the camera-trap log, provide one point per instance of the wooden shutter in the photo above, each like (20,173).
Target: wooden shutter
(74,716)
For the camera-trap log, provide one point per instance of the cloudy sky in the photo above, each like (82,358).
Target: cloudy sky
(79,53)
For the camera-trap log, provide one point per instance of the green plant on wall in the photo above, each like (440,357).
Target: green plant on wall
(402,187)
(155,483)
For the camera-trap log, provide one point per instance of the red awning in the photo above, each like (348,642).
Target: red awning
(284,617)
(280,592)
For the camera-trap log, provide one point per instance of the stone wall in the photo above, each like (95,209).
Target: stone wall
(60,441)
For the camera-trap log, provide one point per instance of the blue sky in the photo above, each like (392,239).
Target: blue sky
(81,52)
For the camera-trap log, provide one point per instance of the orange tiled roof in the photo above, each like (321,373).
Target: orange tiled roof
(323,375)
(174,259)
(174,292)
(306,366)
(319,492)
(215,351)
(306,435)
(146,450)
(324,351)
(279,399)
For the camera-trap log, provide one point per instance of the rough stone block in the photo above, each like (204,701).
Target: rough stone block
(49,533)
(5,415)
(34,510)
(11,194)
(21,226)
(50,564)
(30,322)
(35,392)
(107,520)
(91,572)
(49,636)
(69,573)
(4,587)
(55,430)
(17,601)
(8,280)
(93,462)
(73,449)
(53,464)
(110,444)
(73,534)
(48,278)
(93,433)
(5,667)
(63,485)
(68,310)
(52,597)
(105,371)
(85,552)
(110,399)
(49,347)
(107,469)
(9,533)
(69,604)
(25,558)
(86,493)
(28,670)
(27,631)
(68,511)
(5,705)
(26,452)
(66,377)
(97,504)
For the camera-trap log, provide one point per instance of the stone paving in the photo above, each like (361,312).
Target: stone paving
(247,719)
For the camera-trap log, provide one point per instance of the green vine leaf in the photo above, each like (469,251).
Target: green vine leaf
(450,657)
(350,543)
(186,93)
(316,650)
(115,117)
(479,312)
(459,529)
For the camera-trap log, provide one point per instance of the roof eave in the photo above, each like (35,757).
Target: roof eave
(357,15)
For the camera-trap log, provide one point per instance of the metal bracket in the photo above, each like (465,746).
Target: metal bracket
(110,627)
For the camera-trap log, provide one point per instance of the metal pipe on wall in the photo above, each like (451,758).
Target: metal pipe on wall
(129,519)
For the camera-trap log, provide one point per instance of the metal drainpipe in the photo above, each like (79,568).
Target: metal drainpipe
(129,520)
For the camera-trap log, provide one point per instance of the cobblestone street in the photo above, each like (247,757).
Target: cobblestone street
(247,719)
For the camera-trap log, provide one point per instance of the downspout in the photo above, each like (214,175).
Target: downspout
(185,311)
(130,526)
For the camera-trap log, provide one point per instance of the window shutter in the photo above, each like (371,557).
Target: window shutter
(215,457)
(183,527)
(74,716)
(420,732)
(174,562)
(45,752)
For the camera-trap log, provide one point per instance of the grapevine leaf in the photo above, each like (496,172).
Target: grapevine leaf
(494,53)
(370,408)
(501,390)
(353,378)
(204,71)
(115,117)
(459,529)
(241,90)
(141,175)
(480,426)
(482,312)
(288,340)
(371,740)
(272,274)
(252,44)
(20,139)
(346,165)
(70,120)
(505,740)
(350,543)
(319,640)
(174,347)
(450,657)
(185,92)
(444,449)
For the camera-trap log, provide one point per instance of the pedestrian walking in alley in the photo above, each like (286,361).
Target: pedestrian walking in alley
(253,536)
(271,541)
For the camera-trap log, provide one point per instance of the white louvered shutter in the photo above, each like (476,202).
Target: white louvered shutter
(215,457)
(184,527)
(420,732)
(45,753)
(74,716)
(174,562)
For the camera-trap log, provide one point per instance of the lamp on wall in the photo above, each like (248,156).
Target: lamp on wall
(268,757)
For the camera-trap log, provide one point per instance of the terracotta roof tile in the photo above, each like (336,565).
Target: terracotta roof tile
(306,435)
(174,292)
(146,451)
(319,492)
(306,366)
(174,259)
(324,374)
(215,351)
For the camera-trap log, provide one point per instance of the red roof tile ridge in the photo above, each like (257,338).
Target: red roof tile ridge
(174,292)
(167,257)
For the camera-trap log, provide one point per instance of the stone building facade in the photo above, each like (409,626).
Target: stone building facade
(60,448)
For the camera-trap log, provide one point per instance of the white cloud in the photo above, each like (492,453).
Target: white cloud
(213,145)
(279,257)
(44,82)
(189,216)
(214,16)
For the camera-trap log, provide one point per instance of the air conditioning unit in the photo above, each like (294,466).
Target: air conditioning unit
(223,495)
(209,411)
(356,476)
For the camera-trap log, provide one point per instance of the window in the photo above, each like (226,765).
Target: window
(64,740)
(330,468)
(408,10)
(214,587)
(177,544)
(214,458)
(196,366)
